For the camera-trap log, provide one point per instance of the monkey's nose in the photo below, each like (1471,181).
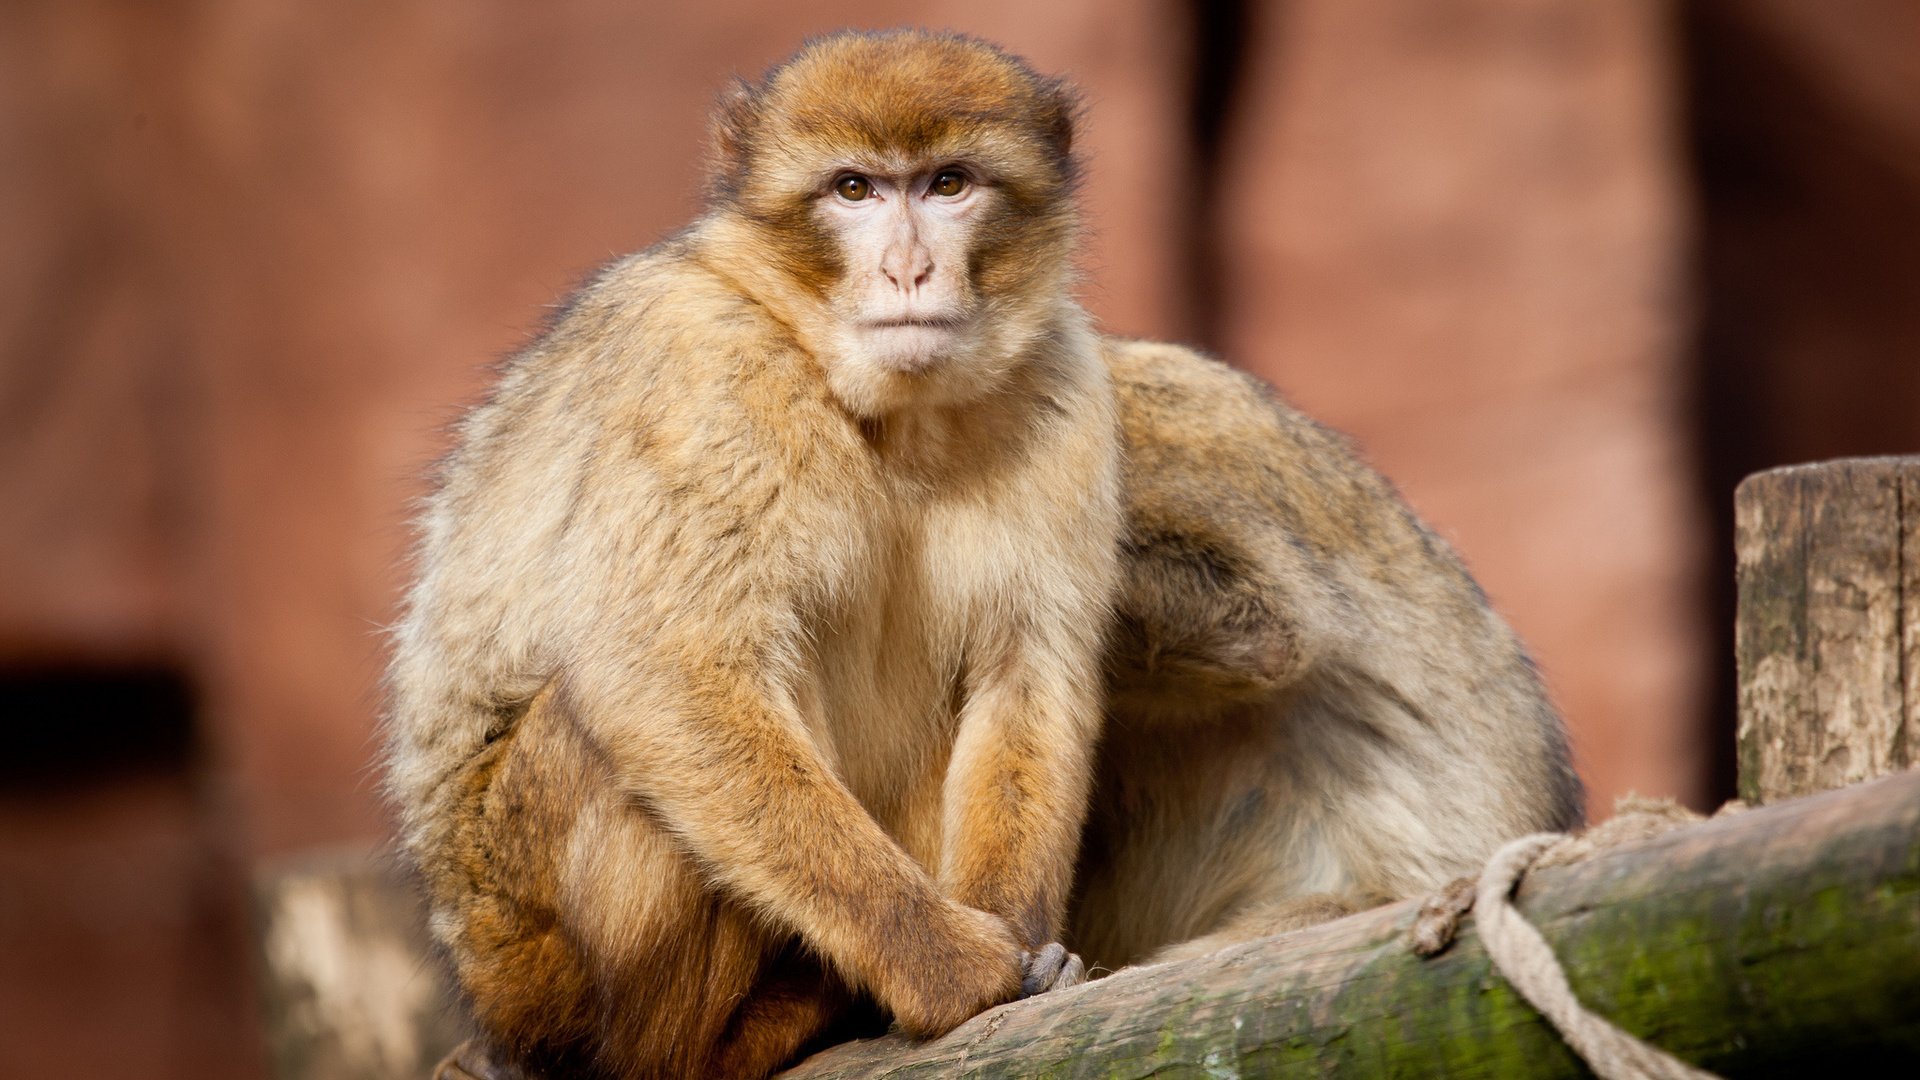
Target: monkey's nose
(909,269)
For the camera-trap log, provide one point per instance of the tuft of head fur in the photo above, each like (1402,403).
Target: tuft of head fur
(900,92)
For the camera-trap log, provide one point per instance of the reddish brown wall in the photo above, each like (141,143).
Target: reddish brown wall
(1461,237)
(259,252)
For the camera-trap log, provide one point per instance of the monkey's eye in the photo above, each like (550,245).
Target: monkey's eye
(949,183)
(853,188)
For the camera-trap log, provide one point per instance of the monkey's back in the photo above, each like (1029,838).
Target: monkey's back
(1310,693)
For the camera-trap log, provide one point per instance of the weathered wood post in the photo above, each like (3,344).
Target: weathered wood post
(349,987)
(1828,635)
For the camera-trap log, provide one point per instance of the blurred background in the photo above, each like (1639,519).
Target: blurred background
(1568,269)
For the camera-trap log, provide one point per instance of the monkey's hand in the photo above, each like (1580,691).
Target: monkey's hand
(980,965)
(1051,968)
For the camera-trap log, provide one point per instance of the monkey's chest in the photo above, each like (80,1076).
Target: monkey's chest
(886,713)
(889,682)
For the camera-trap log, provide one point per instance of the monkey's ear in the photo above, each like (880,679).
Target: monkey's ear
(735,116)
(1060,113)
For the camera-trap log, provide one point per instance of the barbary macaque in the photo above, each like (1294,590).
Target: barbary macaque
(769,613)
(754,658)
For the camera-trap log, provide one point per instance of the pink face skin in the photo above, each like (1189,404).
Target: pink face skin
(905,306)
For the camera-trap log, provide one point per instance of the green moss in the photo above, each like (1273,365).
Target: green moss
(1784,952)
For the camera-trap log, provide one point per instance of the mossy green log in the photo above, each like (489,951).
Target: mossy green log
(1772,942)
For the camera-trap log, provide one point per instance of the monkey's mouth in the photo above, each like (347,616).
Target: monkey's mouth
(922,322)
(912,344)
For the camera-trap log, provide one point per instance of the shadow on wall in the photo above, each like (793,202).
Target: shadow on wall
(1805,124)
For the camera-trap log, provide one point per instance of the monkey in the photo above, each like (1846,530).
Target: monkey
(801,593)
(1312,707)
(751,672)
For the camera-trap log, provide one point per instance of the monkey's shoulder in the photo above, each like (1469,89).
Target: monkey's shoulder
(1189,419)
(658,350)
(663,318)
(655,396)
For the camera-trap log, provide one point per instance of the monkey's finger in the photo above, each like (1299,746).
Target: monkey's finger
(1072,973)
(1042,968)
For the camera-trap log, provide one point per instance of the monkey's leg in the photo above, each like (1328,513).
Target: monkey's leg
(1265,919)
(584,940)
(681,973)
(796,1004)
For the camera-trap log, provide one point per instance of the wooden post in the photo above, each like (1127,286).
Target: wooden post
(1828,635)
(350,989)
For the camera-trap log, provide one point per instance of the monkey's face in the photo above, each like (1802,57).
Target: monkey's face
(907,317)
(917,189)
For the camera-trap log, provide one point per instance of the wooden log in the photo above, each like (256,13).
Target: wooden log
(1779,941)
(1828,635)
(1764,943)
(350,991)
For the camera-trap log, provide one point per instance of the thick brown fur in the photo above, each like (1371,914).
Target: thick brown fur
(738,691)
(741,683)
(1313,706)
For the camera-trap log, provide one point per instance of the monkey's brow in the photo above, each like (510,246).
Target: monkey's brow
(879,166)
(896,170)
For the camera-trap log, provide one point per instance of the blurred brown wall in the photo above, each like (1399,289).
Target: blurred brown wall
(261,252)
(1457,231)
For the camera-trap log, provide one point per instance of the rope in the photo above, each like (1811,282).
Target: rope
(1521,955)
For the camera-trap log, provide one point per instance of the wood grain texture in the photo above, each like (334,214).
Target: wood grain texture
(1828,634)
(1769,942)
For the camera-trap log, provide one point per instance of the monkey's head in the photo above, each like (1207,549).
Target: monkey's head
(910,195)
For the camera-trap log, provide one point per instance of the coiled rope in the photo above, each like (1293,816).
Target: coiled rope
(1523,957)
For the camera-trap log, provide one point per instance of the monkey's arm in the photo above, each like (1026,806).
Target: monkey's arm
(1016,788)
(697,727)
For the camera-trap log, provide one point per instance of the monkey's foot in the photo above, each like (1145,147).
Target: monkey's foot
(1439,918)
(1052,968)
